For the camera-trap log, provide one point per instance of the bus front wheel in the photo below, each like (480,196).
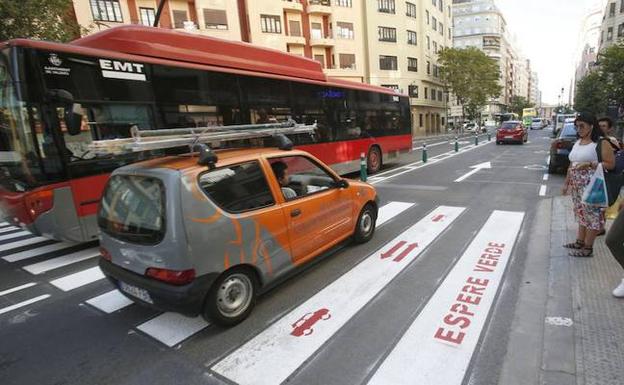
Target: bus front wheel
(374,160)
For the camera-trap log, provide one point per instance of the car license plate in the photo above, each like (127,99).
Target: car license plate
(137,292)
(509,137)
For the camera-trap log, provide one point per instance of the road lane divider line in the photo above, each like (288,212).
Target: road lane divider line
(110,302)
(76,280)
(288,343)
(172,328)
(22,255)
(546,176)
(391,210)
(21,243)
(17,288)
(542,190)
(24,303)
(68,259)
(439,344)
(21,233)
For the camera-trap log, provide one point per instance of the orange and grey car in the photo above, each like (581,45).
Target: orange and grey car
(205,239)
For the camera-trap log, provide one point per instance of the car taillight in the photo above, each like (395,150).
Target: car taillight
(174,277)
(38,202)
(105,254)
(559,145)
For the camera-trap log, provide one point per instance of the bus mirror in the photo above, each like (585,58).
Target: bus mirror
(73,120)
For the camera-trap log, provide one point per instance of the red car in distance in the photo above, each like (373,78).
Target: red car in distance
(512,131)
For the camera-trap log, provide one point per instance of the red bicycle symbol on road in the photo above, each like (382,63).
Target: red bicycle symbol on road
(303,326)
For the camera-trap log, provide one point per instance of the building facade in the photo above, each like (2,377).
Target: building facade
(588,40)
(612,26)
(392,43)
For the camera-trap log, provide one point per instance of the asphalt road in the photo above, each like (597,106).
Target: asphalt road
(455,246)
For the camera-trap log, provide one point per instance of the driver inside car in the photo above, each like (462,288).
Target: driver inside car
(281,173)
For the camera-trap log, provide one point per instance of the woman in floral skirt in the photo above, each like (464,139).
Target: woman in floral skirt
(583,163)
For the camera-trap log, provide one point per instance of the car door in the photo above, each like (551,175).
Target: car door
(320,214)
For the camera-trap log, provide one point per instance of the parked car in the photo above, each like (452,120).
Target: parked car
(537,124)
(512,131)
(560,148)
(204,235)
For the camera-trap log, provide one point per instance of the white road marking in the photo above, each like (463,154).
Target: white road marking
(4,224)
(37,251)
(438,346)
(542,190)
(18,288)
(548,160)
(14,235)
(288,343)
(546,176)
(172,328)
(55,263)
(391,210)
(73,281)
(7,229)
(23,242)
(25,303)
(476,168)
(110,302)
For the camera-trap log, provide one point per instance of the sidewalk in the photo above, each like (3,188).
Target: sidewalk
(567,327)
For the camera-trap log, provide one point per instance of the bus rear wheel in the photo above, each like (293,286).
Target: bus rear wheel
(373,160)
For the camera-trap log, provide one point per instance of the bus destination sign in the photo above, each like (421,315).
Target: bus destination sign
(115,69)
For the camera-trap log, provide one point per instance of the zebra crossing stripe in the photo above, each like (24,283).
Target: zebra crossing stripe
(288,343)
(438,346)
(21,233)
(110,302)
(172,328)
(76,280)
(24,303)
(391,210)
(21,243)
(37,251)
(55,263)
(4,224)
(7,229)
(18,288)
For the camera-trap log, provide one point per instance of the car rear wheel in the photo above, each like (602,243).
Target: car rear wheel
(373,160)
(232,297)
(365,226)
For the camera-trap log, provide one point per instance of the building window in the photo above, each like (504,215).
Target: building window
(388,63)
(612,9)
(106,10)
(441,6)
(148,15)
(343,3)
(347,61)
(428,68)
(386,6)
(621,6)
(434,23)
(317,31)
(320,59)
(440,97)
(427,16)
(449,32)
(433,94)
(345,30)
(215,19)
(413,91)
(434,3)
(387,34)
(426,95)
(621,30)
(270,24)
(294,28)
(420,119)
(179,17)
(412,38)
(412,64)
(411,9)
(394,87)
(441,28)
(428,43)
(435,47)
(610,34)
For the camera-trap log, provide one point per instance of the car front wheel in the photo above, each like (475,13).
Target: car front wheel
(232,297)
(365,226)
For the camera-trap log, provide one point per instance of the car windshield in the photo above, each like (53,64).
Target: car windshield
(568,130)
(537,120)
(509,126)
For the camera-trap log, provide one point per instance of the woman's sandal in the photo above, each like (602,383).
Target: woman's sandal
(584,252)
(576,245)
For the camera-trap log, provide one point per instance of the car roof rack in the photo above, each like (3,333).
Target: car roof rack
(144,140)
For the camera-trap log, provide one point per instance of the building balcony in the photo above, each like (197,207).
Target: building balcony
(319,41)
(319,7)
(292,5)
(295,40)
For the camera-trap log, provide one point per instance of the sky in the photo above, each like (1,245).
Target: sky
(547,33)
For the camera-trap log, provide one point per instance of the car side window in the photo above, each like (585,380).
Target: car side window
(299,176)
(237,188)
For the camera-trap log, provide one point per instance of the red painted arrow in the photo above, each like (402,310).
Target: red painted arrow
(438,218)
(393,250)
(405,252)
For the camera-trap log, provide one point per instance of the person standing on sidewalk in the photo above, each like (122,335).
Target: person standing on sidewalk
(583,163)
(606,128)
(615,243)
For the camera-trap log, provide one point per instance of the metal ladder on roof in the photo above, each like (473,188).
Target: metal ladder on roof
(144,140)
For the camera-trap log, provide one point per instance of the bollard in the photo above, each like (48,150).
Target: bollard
(476,139)
(456,144)
(489,136)
(424,153)
(363,167)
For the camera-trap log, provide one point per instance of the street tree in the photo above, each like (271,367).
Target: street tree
(611,64)
(471,76)
(38,19)
(591,94)
(519,103)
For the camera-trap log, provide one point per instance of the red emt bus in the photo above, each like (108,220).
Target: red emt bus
(55,99)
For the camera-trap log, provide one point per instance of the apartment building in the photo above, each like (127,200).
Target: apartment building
(391,43)
(612,27)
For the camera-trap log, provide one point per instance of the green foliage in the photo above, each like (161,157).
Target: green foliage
(519,103)
(38,19)
(612,70)
(472,76)
(591,94)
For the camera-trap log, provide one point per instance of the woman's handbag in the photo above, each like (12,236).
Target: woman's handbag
(595,193)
